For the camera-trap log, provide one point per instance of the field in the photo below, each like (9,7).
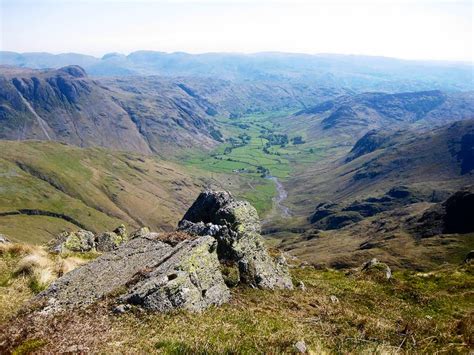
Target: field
(257,146)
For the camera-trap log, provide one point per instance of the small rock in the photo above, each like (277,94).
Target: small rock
(376,266)
(301,285)
(469,257)
(121,308)
(141,232)
(108,241)
(121,231)
(79,241)
(4,239)
(334,299)
(300,347)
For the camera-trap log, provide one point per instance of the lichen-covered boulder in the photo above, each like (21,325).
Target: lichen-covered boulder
(190,279)
(108,241)
(236,227)
(78,241)
(148,272)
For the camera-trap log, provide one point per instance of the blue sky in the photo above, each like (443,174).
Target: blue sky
(411,29)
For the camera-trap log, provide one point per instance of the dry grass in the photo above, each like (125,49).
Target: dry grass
(413,313)
(26,270)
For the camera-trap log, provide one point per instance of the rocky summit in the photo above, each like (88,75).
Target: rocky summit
(236,226)
(186,269)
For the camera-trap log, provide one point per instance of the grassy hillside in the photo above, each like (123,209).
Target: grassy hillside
(97,188)
(337,312)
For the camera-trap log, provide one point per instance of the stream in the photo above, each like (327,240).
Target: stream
(281,196)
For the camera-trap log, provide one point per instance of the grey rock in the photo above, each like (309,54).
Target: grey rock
(236,227)
(78,241)
(140,232)
(121,231)
(148,272)
(376,266)
(469,257)
(121,308)
(189,279)
(300,347)
(301,285)
(4,239)
(108,241)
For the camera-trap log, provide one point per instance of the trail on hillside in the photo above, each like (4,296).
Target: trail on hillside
(280,197)
(40,121)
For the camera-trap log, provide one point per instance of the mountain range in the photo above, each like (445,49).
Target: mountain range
(360,73)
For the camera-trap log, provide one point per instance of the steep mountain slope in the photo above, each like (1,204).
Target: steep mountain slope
(349,71)
(56,186)
(65,105)
(355,114)
(440,159)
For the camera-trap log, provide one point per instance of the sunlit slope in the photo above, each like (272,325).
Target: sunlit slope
(93,188)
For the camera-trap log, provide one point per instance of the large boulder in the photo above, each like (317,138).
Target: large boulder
(146,271)
(189,279)
(78,241)
(236,227)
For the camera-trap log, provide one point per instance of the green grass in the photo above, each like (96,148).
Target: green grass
(98,188)
(247,161)
(412,313)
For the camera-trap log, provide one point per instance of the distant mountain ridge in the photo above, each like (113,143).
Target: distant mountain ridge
(139,114)
(350,71)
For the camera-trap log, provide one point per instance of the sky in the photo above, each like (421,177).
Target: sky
(409,29)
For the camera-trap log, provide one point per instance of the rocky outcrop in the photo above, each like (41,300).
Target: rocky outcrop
(218,245)
(236,227)
(455,215)
(328,215)
(147,272)
(190,279)
(79,241)
(377,269)
(85,241)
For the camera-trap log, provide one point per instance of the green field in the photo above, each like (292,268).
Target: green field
(256,146)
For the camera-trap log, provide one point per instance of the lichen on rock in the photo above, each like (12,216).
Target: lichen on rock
(236,227)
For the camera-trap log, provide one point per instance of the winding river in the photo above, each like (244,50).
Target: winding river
(281,196)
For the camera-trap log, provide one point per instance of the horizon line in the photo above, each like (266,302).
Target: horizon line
(468,62)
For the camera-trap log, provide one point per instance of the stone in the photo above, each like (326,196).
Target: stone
(301,285)
(108,241)
(79,241)
(140,232)
(190,279)
(300,347)
(4,239)
(469,257)
(121,231)
(121,308)
(148,272)
(376,267)
(236,227)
